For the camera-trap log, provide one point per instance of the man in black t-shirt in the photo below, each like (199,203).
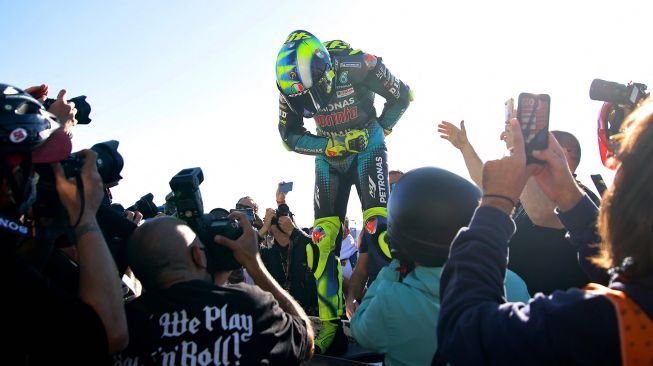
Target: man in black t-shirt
(539,252)
(183,318)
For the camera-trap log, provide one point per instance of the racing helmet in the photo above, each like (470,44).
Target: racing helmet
(25,126)
(28,135)
(426,209)
(304,73)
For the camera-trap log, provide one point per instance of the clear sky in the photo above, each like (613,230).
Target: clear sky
(191,83)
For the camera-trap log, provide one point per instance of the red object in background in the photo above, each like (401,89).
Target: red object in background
(40,92)
(602,134)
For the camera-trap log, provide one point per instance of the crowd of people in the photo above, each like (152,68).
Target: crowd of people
(520,264)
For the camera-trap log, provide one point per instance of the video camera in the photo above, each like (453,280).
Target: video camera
(187,200)
(82,106)
(619,100)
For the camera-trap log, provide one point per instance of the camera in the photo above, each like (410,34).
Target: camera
(186,199)
(619,100)
(109,162)
(610,91)
(146,206)
(282,210)
(82,106)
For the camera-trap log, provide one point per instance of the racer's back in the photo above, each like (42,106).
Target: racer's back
(352,104)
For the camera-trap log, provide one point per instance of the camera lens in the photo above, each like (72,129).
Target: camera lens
(609,91)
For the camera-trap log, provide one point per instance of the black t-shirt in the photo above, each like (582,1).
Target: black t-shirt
(543,257)
(198,323)
(44,323)
(293,273)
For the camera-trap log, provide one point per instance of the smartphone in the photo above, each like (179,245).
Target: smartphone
(509,107)
(249,213)
(533,115)
(285,187)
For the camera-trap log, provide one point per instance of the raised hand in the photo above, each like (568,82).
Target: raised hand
(457,136)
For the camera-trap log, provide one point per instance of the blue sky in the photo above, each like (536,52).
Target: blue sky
(191,83)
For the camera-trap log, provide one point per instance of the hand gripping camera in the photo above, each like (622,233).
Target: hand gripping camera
(189,207)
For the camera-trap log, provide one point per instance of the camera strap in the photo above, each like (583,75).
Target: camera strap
(82,201)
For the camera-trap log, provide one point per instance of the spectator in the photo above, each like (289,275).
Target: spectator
(539,252)
(246,203)
(365,271)
(426,209)
(285,254)
(184,317)
(393,177)
(51,324)
(348,255)
(593,326)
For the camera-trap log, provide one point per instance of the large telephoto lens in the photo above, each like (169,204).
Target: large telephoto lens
(609,91)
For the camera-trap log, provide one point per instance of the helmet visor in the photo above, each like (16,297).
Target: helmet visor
(309,101)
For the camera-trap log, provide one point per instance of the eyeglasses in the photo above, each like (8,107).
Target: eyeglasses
(240,206)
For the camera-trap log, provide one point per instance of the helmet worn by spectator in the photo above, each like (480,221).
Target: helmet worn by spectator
(427,207)
(28,135)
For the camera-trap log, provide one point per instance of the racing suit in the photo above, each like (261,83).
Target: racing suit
(358,77)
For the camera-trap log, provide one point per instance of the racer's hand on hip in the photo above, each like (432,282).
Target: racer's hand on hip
(353,142)
(356,140)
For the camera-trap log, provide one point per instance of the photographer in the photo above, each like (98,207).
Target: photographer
(184,316)
(284,254)
(93,319)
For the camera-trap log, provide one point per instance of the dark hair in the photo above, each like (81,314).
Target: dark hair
(626,215)
(570,143)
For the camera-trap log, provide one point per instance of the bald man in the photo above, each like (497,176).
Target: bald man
(184,318)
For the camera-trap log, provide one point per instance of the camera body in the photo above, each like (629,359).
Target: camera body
(282,210)
(186,198)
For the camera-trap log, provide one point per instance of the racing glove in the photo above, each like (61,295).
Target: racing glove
(353,142)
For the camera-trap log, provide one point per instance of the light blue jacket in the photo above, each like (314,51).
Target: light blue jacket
(399,319)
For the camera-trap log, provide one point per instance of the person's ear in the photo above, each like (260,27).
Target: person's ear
(198,256)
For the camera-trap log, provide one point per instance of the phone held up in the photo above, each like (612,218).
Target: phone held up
(533,115)
(285,187)
(509,110)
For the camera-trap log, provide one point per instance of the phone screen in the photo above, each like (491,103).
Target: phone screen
(285,187)
(533,114)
